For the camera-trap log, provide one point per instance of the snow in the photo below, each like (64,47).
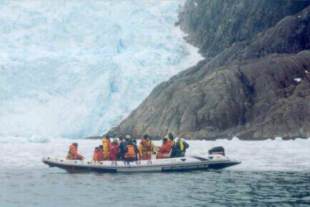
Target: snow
(77,68)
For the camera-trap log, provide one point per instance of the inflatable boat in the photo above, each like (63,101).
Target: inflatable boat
(213,161)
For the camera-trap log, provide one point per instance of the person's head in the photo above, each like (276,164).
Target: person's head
(127,137)
(121,138)
(170,136)
(115,141)
(129,141)
(146,136)
(165,140)
(75,144)
(133,141)
(107,136)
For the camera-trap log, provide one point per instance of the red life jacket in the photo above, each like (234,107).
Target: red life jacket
(96,155)
(165,148)
(114,151)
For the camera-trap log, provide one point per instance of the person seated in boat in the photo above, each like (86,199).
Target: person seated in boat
(165,149)
(170,138)
(131,151)
(146,148)
(179,148)
(73,153)
(98,154)
(106,146)
(134,141)
(114,150)
(122,148)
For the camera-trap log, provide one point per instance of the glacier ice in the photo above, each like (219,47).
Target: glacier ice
(76,68)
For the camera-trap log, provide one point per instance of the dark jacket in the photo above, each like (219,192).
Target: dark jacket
(122,149)
(176,149)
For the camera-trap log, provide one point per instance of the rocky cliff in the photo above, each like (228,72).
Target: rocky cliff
(254,82)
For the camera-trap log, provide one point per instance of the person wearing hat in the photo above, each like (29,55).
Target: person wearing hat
(179,148)
(146,148)
(122,148)
(131,151)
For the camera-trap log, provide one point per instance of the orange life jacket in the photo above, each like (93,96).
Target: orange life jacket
(131,152)
(166,147)
(145,150)
(164,150)
(145,146)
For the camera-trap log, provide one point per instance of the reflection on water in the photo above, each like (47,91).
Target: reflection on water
(52,187)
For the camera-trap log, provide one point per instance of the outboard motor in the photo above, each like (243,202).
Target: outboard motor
(217,150)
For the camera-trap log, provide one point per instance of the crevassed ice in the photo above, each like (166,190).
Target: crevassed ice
(76,68)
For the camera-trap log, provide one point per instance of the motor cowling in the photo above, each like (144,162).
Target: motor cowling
(217,150)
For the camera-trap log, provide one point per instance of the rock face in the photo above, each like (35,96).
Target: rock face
(215,25)
(254,82)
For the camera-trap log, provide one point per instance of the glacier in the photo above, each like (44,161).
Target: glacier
(76,68)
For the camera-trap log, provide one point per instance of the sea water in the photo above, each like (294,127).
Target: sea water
(76,68)
(272,173)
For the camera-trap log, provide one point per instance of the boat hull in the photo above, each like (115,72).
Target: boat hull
(163,165)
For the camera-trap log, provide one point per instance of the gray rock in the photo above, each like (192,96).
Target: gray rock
(216,25)
(247,85)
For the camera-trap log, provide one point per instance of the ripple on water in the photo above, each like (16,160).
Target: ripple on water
(266,177)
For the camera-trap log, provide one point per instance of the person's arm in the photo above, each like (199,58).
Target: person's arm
(140,151)
(95,156)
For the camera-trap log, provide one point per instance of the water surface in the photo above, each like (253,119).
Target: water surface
(273,173)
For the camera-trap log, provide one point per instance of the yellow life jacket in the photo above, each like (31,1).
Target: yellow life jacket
(181,145)
(146,146)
